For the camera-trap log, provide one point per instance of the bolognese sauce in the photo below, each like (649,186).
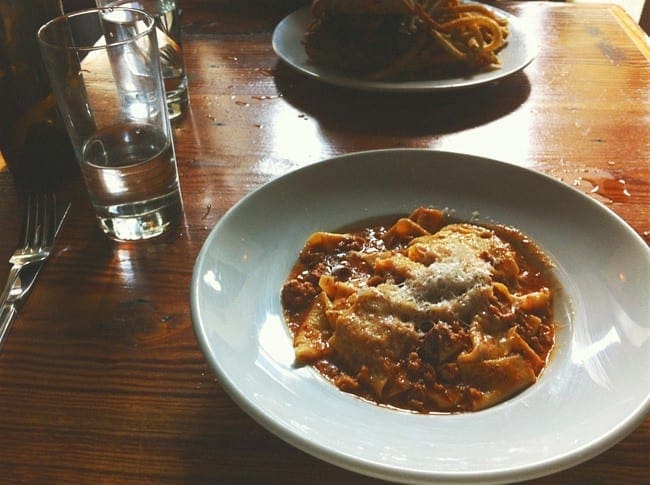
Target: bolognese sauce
(423,313)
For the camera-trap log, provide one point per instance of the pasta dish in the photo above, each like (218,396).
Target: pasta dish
(405,39)
(425,313)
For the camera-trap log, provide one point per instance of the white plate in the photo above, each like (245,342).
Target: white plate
(592,394)
(287,44)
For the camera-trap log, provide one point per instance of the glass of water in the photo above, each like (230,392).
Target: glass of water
(168,34)
(104,69)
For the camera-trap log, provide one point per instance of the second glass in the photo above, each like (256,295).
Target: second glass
(168,33)
(104,69)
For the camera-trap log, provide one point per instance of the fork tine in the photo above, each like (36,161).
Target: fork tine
(37,224)
(49,220)
(30,220)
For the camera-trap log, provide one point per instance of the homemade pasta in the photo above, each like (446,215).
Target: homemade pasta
(424,314)
(405,39)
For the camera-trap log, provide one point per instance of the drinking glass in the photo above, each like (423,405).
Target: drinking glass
(168,33)
(104,69)
(33,139)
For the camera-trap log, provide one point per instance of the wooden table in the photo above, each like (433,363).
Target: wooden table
(102,379)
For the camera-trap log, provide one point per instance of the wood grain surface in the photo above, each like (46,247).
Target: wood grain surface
(102,379)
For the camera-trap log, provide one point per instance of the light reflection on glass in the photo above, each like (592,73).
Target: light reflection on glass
(113,179)
(138,111)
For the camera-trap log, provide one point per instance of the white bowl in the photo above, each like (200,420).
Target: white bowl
(592,394)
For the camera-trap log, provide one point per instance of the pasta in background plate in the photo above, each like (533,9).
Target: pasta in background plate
(405,39)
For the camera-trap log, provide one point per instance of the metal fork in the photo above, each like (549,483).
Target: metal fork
(40,229)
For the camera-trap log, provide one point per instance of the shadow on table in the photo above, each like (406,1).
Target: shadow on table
(408,114)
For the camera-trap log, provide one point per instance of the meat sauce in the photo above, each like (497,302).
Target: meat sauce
(464,362)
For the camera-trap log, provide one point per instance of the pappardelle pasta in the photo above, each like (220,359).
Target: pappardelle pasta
(425,313)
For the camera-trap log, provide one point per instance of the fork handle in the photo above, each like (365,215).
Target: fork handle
(7,317)
(11,280)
